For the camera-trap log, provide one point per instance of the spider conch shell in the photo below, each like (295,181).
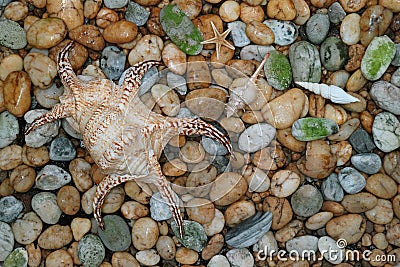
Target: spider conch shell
(332,92)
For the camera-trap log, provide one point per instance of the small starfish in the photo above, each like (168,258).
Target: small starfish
(219,40)
(123,136)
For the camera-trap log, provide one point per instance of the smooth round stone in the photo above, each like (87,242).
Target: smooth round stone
(45,205)
(145,233)
(278,71)
(213,147)
(305,62)
(177,82)
(218,261)
(256,137)
(148,257)
(240,257)
(80,171)
(318,220)
(386,132)
(114,4)
(331,188)
(12,35)
(249,232)
(159,209)
(112,62)
(380,52)
(361,141)
(336,13)
(256,52)
(194,238)
(136,13)
(309,129)
(360,202)
(116,235)
(79,227)
(27,228)
(327,245)
(238,33)
(351,180)
(17,258)
(302,243)
(200,210)
(216,225)
(91,251)
(285,32)
(284,183)
(62,149)
(317,28)
(333,53)
(392,234)
(9,128)
(222,164)
(396,78)
(350,227)
(52,177)
(369,163)
(166,247)
(43,134)
(10,208)
(382,213)
(70,130)
(6,240)
(386,96)
(306,201)
(350,29)
(381,185)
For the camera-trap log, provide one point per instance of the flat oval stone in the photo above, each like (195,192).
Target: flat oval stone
(305,62)
(248,232)
(12,35)
(285,32)
(351,180)
(369,163)
(306,201)
(18,257)
(256,137)
(331,188)
(9,128)
(62,149)
(334,53)
(181,30)
(116,236)
(136,13)
(52,177)
(91,251)
(386,131)
(6,240)
(195,237)
(112,62)
(278,71)
(309,129)
(386,96)
(238,33)
(10,208)
(45,205)
(317,28)
(302,243)
(380,52)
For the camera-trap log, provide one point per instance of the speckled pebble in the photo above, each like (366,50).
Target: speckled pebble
(114,4)
(55,237)
(148,257)
(362,141)
(336,13)
(45,205)
(218,261)
(17,258)
(91,251)
(351,180)
(52,177)
(12,35)
(317,28)
(305,61)
(331,188)
(27,228)
(136,13)
(386,96)
(116,235)
(112,62)
(302,243)
(238,33)
(194,238)
(9,128)
(239,257)
(145,233)
(256,137)
(386,131)
(369,163)
(43,134)
(333,53)
(396,78)
(10,208)
(306,201)
(285,31)
(62,149)
(6,240)
(159,210)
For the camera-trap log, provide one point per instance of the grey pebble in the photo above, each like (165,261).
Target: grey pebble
(116,236)
(6,240)
(317,28)
(351,180)
(177,82)
(112,62)
(386,96)
(240,257)
(4,3)
(12,35)
(62,149)
(336,13)
(285,32)
(194,238)
(45,205)
(238,33)
(213,147)
(159,210)
(361,141)
(396,77)
(369,163)
(249,232)
(112,4)
(9,128)
(136,14)
(256,52)
(10,208)
(91,251)
(48,97)
(69,129)
(331,188)
(52,177)
(302,243)
(43,134)
(149,79)
(306,201)
(386,131)
(305,61)
(334,54)
(396,59)
(222,164)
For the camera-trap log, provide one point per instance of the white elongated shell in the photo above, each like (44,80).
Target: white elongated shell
(332,92)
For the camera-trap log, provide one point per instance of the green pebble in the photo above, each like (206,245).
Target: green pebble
(91,251)
(17,258)
(116,235)
(309,129)
(278,71)
(181,30)
(194,238)
(12,35)
(380,52)
(334,54)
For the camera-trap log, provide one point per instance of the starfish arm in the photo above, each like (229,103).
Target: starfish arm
(133,78)
(105,186)
(59,111)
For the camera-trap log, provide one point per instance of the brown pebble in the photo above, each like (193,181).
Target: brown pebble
(22,178)
(68,199)
(120,32)
(55,237)
(282,212)
(17,93)
(213,247)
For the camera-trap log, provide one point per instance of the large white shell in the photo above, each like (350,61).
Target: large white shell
(331,92)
